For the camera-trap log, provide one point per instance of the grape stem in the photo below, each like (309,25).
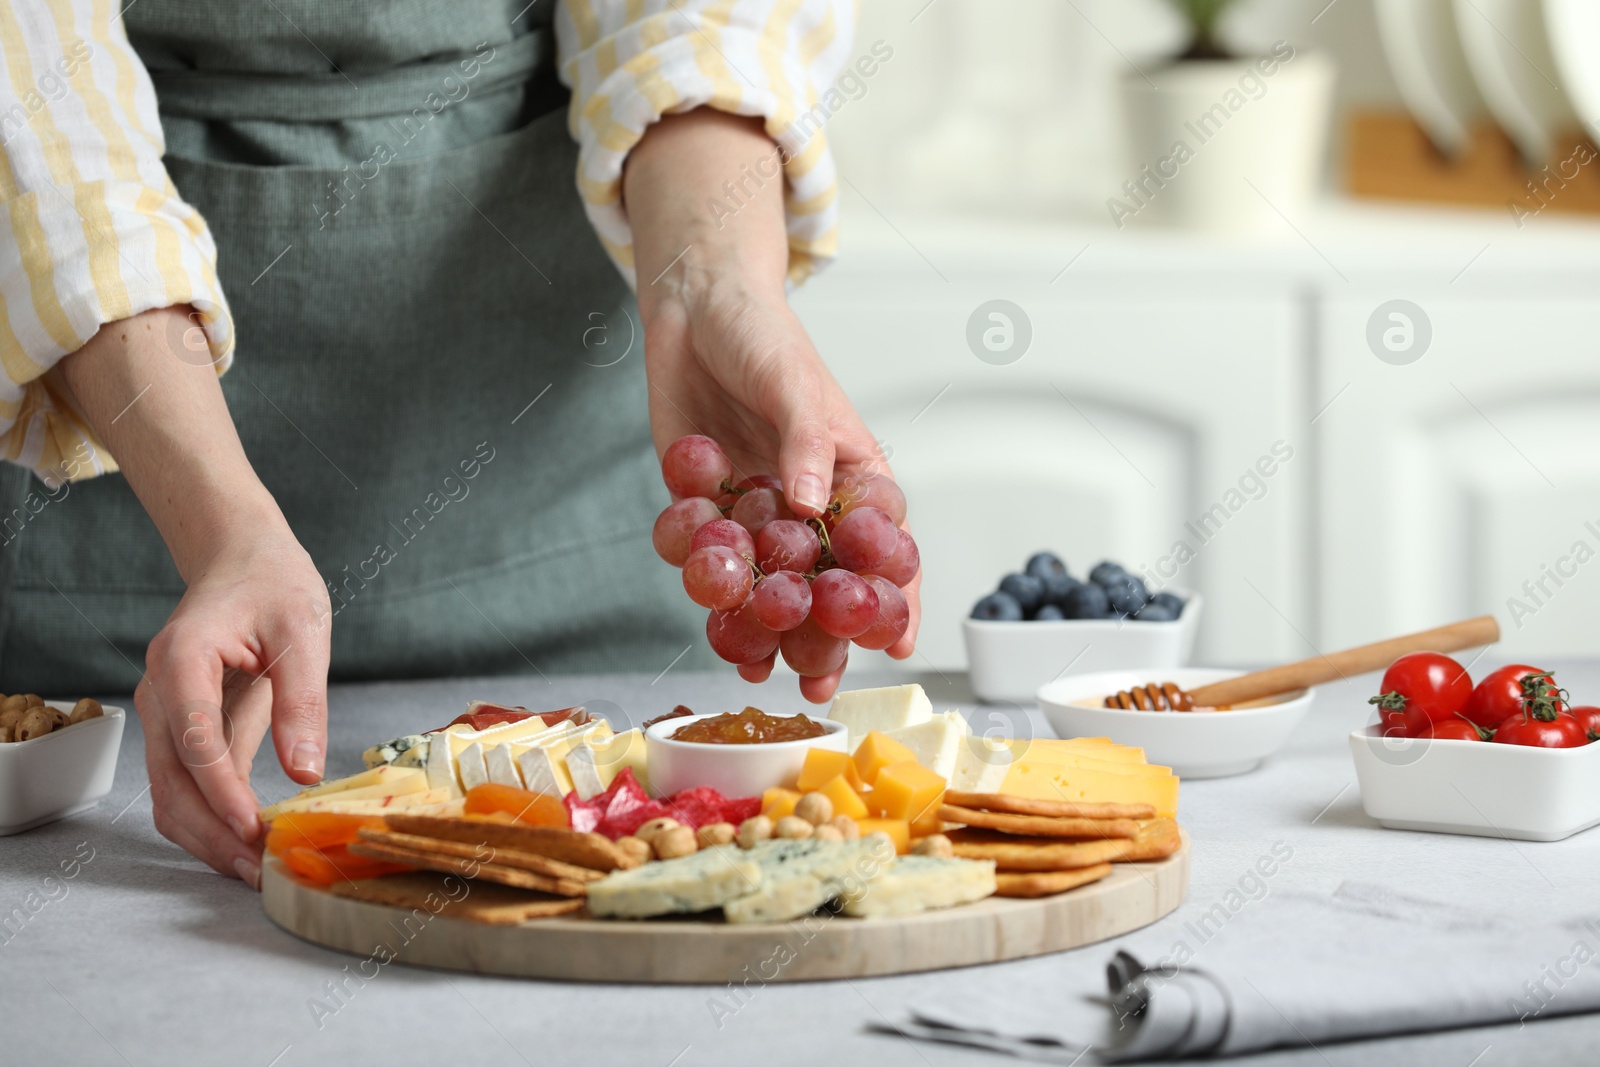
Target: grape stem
(825,560)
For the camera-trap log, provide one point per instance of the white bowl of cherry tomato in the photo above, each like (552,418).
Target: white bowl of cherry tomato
(1509,757)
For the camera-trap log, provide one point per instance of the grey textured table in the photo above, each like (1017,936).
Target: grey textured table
(146,957)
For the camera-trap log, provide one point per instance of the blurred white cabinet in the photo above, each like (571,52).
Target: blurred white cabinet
(1469,480)
(1164,373)
(1125,430)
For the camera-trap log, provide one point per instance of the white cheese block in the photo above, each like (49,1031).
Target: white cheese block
(797,877)
(698,882)
(501,764)
(922,883)
(937,743)
(981,765)
(890,708)
(470,766)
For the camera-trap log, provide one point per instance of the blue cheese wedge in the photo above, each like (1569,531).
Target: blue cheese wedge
(923,883)
(799,876)
(408,751)
(699,882)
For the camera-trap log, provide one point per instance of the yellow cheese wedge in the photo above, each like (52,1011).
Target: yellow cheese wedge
(387,774)
(337,803)
(1055,781)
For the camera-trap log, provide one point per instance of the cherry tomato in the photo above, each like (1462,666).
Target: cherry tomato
(1419,689)
(1589,718)
(1454,729)
(1501,694)
(1560,730)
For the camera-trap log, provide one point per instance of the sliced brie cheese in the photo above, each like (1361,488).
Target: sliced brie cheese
(545,771)
(470,765)
(937,743)
(889,708)
(594,765)
(501,764)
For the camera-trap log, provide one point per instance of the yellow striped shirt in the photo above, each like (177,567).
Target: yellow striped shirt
(92,230)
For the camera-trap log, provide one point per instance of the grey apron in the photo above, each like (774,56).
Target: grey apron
(430,376)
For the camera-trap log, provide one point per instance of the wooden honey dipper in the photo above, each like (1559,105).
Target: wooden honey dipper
(1166,696)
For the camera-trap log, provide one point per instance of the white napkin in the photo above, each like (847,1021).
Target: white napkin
(1298,969)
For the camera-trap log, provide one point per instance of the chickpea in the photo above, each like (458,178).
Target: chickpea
(87,708)
(673,842)
(58,717)
(934,845)
(5,735)
(635,852)
(717,833)
(754,830)
(793,826)
(36,723)
(34,700)
(814,808)
(14,703)
(849,829)
(649,830)
(827,832)
(11,718)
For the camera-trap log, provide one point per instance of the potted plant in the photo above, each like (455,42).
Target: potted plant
(1222,141)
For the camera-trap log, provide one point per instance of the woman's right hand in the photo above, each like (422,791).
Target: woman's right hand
(246,648)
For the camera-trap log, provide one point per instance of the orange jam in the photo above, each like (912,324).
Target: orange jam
(752,726)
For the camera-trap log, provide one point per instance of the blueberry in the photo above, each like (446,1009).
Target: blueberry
(1172,602)
(1045,565)
(998,607)
(1156,611)
(1056,588)
(1048,612)
(1128,597)
(1086,601)
(1025,589)
(1106,573)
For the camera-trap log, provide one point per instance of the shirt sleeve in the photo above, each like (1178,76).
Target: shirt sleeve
(629,62)
(93,230)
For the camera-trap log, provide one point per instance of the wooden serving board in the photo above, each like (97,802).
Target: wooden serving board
(577,948)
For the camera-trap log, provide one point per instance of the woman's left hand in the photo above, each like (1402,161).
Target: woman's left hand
(725,355)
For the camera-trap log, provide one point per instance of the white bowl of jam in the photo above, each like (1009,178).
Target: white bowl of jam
(739,754)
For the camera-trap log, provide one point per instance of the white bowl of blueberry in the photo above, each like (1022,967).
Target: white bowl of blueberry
(1043,623)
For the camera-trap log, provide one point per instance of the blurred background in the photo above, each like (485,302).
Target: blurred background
(1372,267)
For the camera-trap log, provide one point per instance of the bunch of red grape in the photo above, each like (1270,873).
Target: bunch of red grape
(773,582)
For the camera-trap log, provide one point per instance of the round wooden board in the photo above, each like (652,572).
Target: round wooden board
(817,947)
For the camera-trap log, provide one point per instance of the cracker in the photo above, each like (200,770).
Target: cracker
(1156,840)
(1060,809)
(1012,853)
(1040,825)
(485,903)
(484,853)
(569,846)
(1047,883)
(468,868)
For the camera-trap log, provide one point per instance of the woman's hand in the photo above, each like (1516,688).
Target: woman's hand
(247,646)
(725,355)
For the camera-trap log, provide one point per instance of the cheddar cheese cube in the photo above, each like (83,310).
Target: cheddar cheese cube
(846,801)
(823,765)
(906,790)
(778,802)
(877,751)
(899,832)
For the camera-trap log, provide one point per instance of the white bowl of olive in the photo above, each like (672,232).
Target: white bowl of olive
(56,758)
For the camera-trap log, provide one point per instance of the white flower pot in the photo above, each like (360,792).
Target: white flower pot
(1225,145)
